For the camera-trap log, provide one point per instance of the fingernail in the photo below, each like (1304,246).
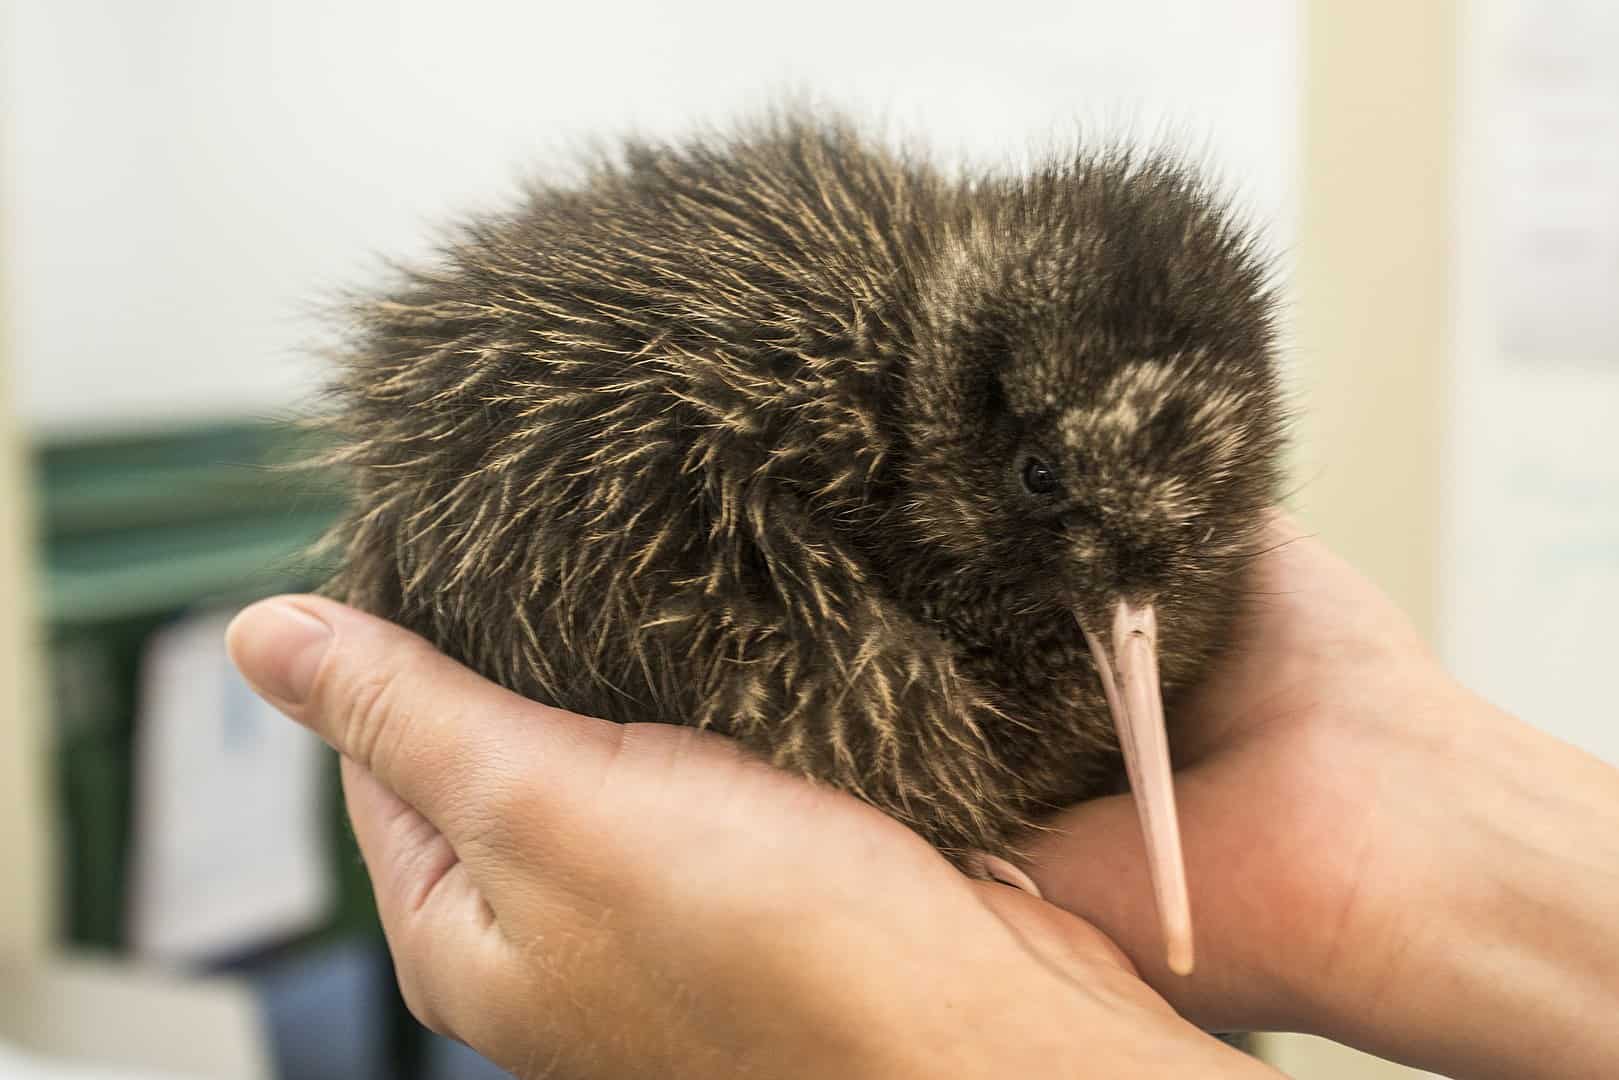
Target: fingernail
(278,647)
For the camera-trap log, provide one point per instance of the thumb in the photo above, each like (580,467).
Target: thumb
(1091,861)
(1063,942)
(431,754)
(460,750)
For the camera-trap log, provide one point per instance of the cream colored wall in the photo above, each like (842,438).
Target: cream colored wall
(24,879)
(1307,1058)
(1372,323)
(1373,310)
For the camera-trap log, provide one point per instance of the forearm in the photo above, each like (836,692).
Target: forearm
(1499,955)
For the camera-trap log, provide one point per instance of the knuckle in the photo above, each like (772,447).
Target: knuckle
(416,998)
(372,702)
(447,983)
(498,807)
(502,820)
(420,972)
(369,710)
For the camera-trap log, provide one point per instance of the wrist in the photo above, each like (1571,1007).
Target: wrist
(1061,1032)
(1484,945)
(1082,1010)
(1054,1005)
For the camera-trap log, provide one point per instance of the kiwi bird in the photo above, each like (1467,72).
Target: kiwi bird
(924,484)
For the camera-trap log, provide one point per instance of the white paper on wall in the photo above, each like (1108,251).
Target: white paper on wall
(1531,573)
(228,850)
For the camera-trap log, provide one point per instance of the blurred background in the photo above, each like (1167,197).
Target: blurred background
(183,182)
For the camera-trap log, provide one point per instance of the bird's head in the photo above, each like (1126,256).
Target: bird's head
(1094,428)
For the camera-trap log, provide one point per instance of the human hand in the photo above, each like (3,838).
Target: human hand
(1373,853)
(578,898)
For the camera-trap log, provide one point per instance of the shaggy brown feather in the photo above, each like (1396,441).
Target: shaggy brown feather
(735,433)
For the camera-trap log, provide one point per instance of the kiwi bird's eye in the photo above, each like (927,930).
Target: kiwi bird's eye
(1038,477)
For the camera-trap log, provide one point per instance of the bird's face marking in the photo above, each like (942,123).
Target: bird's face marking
(1146,465)
(1131,492)
(1109,325)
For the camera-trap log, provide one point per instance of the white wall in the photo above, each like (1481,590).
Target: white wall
(185,177)
(1531,583)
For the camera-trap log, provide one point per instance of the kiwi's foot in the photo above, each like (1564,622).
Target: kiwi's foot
(983,864)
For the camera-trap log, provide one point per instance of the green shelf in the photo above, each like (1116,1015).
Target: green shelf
(135,531)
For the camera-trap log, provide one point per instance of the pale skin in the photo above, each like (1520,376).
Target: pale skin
(1373,854)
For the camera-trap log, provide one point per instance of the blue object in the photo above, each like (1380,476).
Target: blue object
(447,1059)
(329,1012)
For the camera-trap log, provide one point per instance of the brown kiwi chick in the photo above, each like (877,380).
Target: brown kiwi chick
(892,476)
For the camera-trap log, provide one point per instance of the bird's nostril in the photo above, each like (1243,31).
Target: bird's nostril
(1080,519)
(1168,425)
(1136,563)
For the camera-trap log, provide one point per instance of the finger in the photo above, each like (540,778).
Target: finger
(408,860)
(1055,936)
(439,927)
(1283,575)
(1304,613)
(1090,862)
(1095,965)
(466,754)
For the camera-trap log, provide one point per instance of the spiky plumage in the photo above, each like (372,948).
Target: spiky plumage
(735,433)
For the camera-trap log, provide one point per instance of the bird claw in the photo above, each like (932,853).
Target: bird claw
(997,868)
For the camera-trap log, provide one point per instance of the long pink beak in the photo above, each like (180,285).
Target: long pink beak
(1130,679)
